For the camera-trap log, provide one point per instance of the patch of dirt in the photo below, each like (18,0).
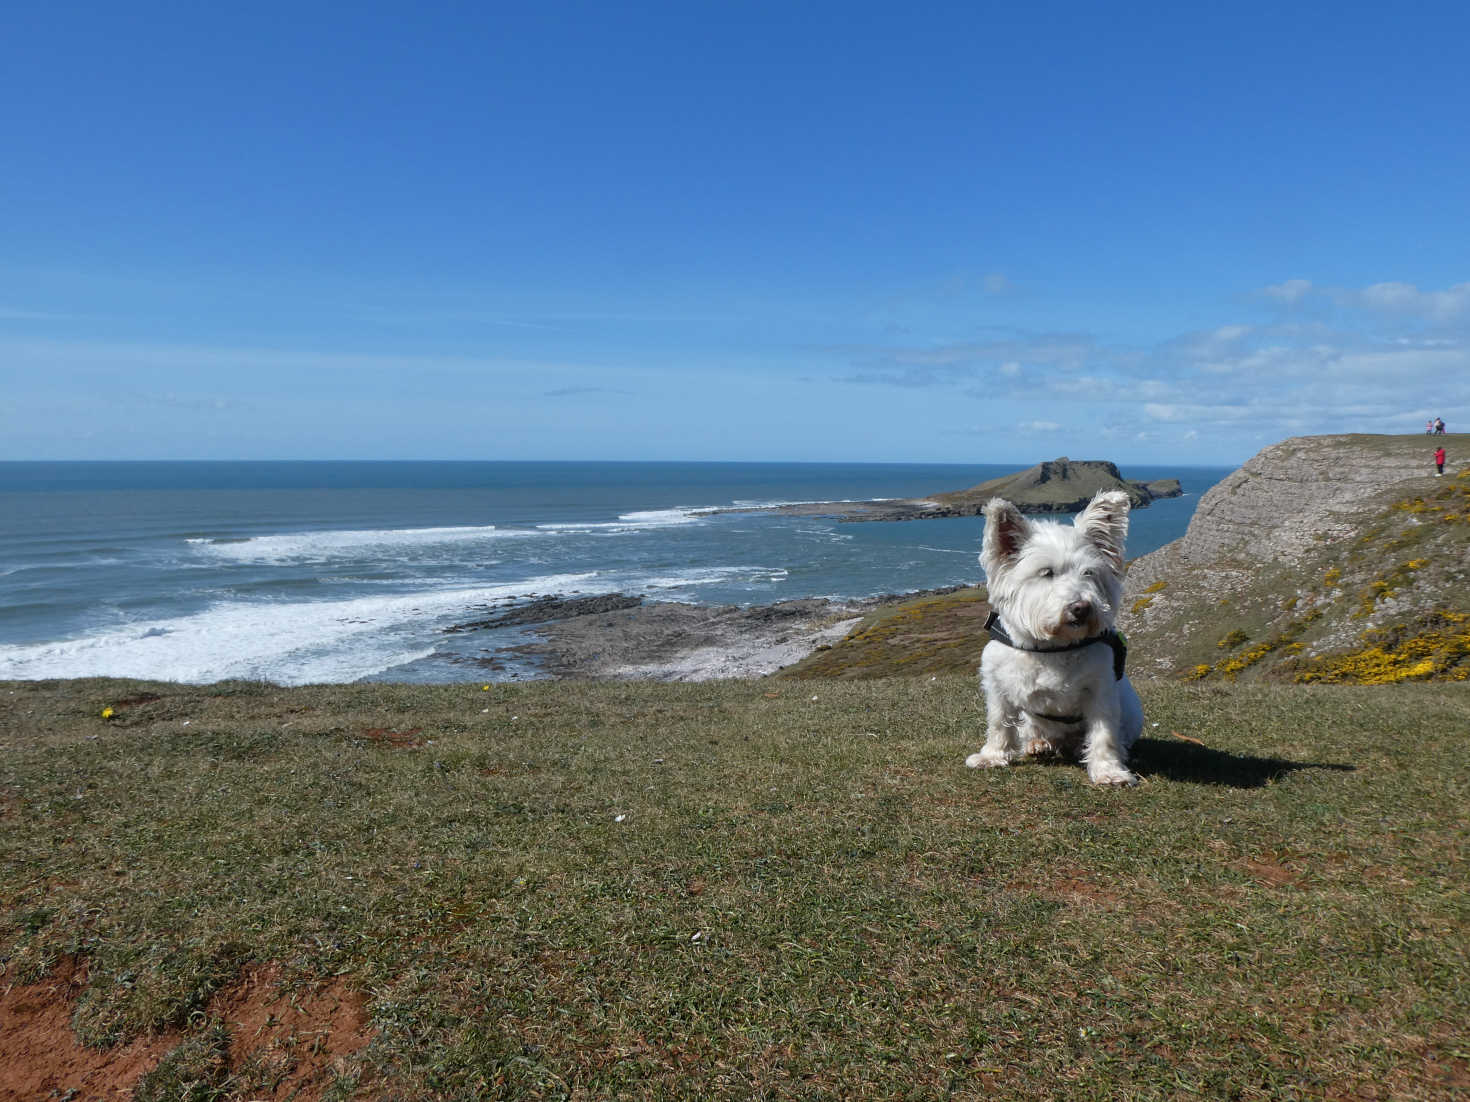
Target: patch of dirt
(405,740)
(290,1042)
(1071,887)
(1272,873)
(134,701)
(285,1042)
(40,1057)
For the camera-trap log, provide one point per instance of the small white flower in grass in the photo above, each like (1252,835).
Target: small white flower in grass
(619,818)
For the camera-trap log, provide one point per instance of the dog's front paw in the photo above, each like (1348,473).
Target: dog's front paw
(1111,773)
(989,758)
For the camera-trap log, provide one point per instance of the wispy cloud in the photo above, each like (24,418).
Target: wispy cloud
(1229,385)
(1389,299)
(12,313)
(1406,300)
(1288,293)
(967,361)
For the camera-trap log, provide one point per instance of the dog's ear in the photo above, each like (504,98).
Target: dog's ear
(1105,524)
(1006,530)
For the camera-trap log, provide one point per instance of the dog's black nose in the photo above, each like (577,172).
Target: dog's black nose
(1078,611)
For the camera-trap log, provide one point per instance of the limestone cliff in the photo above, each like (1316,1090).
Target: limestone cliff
(1322,558)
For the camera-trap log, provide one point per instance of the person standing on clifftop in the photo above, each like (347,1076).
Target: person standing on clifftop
(1439,461)
(1439,426)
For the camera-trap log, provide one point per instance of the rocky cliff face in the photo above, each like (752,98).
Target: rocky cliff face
(1317,549)
(1299,492)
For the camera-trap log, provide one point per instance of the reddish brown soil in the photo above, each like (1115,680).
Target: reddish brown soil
(408,740)
(281,1040)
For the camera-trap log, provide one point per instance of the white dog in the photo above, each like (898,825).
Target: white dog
(1053,669)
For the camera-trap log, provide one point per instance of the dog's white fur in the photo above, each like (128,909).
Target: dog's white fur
(1052,585)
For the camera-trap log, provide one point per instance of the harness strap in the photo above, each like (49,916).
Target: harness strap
(1112,637)
(1059,719)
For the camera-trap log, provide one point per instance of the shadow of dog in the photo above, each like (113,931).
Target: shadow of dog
(1183,761)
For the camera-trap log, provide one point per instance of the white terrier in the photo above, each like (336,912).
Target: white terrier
(1053,669)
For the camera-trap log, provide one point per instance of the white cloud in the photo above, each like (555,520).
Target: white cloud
(1374,366)
(1200,413)
(1406,299)
(1288,293)
(1389,298)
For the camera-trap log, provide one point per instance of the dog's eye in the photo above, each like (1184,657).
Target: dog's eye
(1044,572)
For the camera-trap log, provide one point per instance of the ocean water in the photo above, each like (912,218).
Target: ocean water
(341,571)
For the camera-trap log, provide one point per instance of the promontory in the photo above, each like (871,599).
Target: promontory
(1055,486)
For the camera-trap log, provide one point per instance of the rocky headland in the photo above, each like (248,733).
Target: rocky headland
(1056,486)
(1322,558)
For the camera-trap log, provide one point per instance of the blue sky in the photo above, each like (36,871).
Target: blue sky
(800,231)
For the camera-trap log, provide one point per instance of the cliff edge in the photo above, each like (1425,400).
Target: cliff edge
(1334,558)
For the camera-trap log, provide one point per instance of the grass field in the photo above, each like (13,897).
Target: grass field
(765,889)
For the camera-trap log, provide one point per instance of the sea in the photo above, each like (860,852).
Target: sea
(305,572)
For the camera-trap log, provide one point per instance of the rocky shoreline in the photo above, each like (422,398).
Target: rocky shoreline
(620,637)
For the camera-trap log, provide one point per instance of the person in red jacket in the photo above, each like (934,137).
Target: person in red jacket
(1439,461)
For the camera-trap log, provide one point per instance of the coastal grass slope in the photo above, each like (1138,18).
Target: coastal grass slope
(1372,593)
(935,633)
(729,890)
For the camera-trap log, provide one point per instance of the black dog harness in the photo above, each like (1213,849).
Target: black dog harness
(1112,637)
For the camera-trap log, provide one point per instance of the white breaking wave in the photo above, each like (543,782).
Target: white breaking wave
(290,643)
(322,545)
(716,575)
(748,503)
(627,522)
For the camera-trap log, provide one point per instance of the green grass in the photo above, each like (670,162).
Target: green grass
(938,633)
(757,889)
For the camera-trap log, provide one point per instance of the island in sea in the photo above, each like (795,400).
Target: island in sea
(1055,486)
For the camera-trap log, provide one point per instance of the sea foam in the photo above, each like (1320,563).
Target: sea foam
(286,642)
(626,522)
(320,546)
